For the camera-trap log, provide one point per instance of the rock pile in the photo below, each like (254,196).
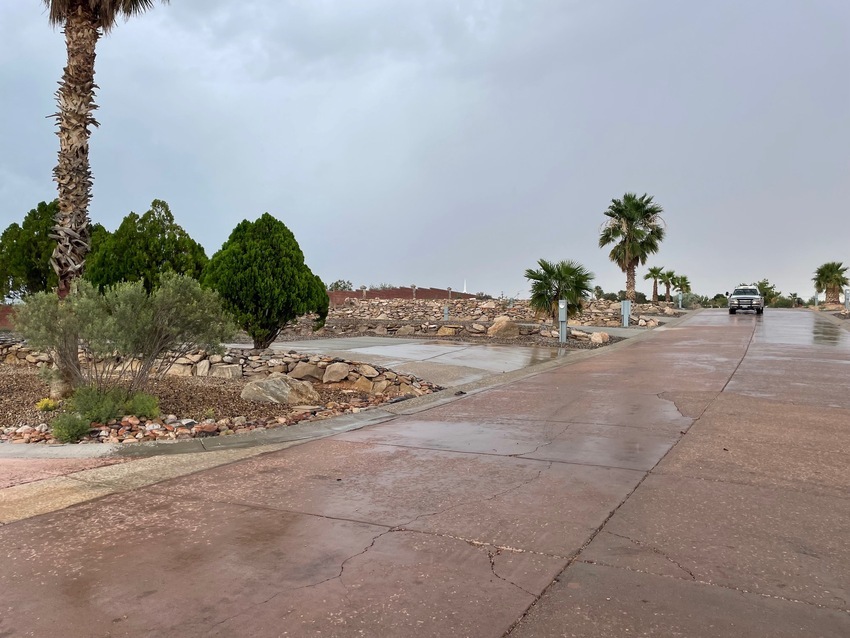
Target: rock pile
(238,363)
(466,317)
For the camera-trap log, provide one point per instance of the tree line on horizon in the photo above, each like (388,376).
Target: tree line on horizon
(259,273)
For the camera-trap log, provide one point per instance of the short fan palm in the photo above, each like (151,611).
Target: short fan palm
(829,278)
(553,281)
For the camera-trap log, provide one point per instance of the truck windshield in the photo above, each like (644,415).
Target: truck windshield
(746,291)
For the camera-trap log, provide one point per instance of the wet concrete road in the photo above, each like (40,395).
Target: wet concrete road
(693,483)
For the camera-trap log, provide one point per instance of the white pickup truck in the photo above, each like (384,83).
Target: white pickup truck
(746,297)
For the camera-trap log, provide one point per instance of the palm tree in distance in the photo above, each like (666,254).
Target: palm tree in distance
(655,274)
(83,22)
(682,284)
(636,229)
(830,278)
(552,281)
(668,277)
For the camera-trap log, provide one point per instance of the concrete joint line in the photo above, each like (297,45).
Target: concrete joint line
(476,543)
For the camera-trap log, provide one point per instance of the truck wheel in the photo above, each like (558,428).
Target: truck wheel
(759,311)
(731,311)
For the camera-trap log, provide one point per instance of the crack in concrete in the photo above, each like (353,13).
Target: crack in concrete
(708,583)
(692,420)
(655,550)
(477,543)
(491,554)
(316,584)
(550,442)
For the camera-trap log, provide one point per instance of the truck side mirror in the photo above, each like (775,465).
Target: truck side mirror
(727,293)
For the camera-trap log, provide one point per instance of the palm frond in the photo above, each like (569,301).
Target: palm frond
(105,12)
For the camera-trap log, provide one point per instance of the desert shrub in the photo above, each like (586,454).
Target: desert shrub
(125,334)
(782,302)
(69,427)
(142,404)
(99,405)
(691,300)
(47,405)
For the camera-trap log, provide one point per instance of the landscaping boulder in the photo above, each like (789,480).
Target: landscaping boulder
(503,328)
(304,370)
(336,372)
(367,371)
(231,371)
(599,338)
(280,388)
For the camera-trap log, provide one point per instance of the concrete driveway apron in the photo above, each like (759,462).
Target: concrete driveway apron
(454,520)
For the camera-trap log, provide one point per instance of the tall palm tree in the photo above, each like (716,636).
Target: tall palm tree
(551,282)
(668,277)
(655,274)
(83,22)
(636,229)
(829,278)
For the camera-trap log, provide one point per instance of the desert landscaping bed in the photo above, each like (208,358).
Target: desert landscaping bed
(191,407)
(203,394)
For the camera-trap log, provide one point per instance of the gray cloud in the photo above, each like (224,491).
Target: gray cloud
(430,142)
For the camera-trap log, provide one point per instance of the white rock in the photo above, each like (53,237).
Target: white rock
(336,372)
(503,328)
(367,371)
(279,388)
(180,370)
(233,371)
(304,370)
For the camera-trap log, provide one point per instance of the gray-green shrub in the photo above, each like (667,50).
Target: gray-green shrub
(125,335)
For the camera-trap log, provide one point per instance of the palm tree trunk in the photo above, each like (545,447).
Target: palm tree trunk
(832,293)
(667,293)
(654,291)
(630,281)
(75,97)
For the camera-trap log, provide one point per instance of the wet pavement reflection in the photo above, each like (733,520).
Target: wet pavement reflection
(779,326)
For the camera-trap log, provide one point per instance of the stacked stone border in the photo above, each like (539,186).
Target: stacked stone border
(380,384)
(469,318)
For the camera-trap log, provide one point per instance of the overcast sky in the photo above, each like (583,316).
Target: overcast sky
(437,141)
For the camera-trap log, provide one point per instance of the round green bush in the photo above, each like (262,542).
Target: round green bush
(69,427)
